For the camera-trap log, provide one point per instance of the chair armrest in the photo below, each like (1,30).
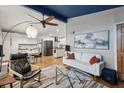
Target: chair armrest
(34,67)
(16,73)
(98,68)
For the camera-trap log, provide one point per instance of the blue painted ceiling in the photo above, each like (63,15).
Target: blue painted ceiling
(63,12)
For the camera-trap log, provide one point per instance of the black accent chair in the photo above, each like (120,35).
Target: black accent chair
(21,69)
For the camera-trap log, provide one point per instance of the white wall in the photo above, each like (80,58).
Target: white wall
(105,20)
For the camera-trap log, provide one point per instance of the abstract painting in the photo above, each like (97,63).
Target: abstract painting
(93,40)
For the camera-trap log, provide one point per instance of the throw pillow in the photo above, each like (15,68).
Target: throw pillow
(70,56)
(94,60)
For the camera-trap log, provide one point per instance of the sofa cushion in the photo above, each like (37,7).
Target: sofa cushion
(87,56)
(84,64)
(99,57)
(79,65)
(69,60)
(78,56)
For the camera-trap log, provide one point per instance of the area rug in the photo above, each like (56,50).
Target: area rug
(48,81)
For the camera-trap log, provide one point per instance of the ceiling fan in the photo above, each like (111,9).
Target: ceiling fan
(44,22)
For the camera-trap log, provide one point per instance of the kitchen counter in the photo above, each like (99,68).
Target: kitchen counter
(58,52)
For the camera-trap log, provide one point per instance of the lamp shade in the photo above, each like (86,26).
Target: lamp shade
(67,48)
(31,32)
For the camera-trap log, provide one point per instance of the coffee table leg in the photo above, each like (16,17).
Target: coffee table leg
(56,76)
(78,77)
(70,81)
(56,79)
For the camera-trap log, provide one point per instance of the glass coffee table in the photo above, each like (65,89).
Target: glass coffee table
(73,74)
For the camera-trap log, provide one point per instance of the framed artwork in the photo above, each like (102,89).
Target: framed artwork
(93,40)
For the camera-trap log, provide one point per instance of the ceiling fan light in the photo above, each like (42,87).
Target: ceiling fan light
(31,32)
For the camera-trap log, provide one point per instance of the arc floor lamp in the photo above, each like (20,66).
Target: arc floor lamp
(30,31)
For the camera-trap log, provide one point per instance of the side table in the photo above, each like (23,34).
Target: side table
(7,80)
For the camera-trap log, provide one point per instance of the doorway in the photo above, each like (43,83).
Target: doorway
(120,51)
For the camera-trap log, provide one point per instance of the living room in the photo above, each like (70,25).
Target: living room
(65,42)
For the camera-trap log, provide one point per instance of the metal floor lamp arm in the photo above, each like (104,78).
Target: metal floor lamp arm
(13,28)
(1,59)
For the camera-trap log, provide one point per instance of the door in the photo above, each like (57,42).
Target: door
(120,50)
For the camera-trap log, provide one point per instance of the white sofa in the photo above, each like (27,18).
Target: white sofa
(82,62)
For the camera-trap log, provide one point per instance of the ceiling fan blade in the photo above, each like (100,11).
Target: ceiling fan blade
(49,18)
(53,24)
(36,23)
(34,17)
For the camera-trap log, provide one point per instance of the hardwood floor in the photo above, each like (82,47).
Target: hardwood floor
(119,85)
(46,61)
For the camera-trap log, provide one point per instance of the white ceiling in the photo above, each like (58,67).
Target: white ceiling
(11,15)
